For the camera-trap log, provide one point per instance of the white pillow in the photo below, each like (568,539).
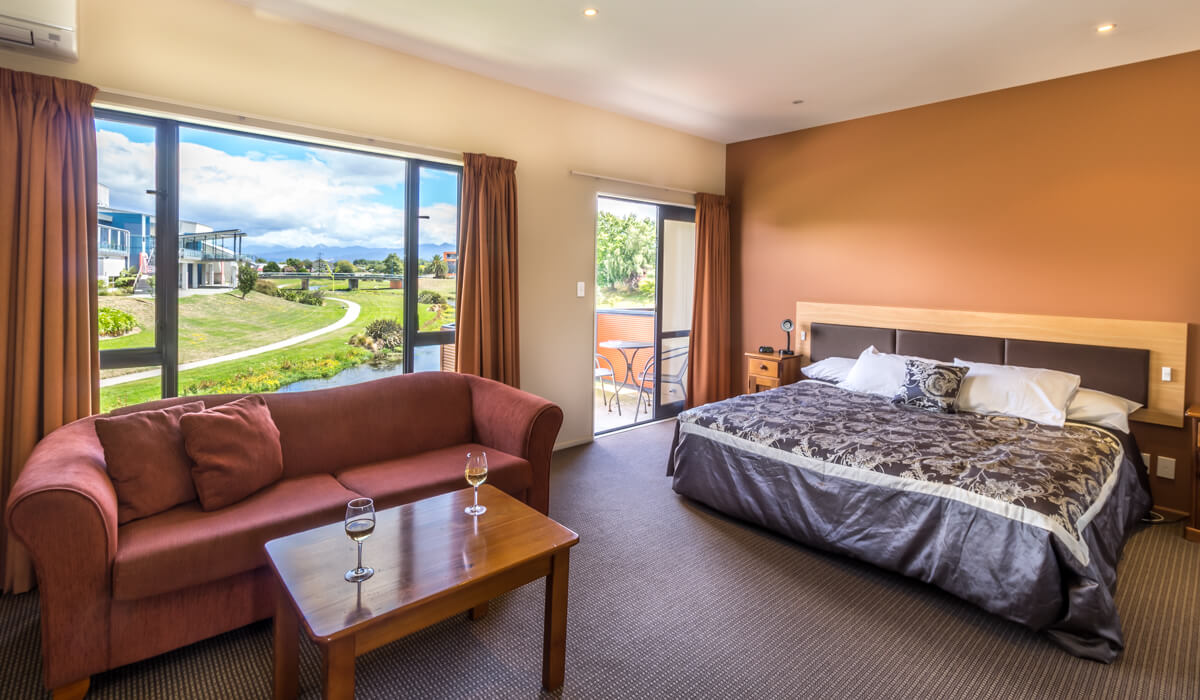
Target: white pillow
(878,373)
(1099,408)
(831,369)
(1040,395)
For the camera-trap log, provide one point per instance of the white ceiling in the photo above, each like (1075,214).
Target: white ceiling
(729,70)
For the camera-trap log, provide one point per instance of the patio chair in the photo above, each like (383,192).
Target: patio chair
(646,381)
(600,373)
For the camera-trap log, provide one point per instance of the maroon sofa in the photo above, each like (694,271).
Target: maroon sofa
(114,595)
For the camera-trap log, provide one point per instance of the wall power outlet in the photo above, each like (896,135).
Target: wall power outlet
(1166,467)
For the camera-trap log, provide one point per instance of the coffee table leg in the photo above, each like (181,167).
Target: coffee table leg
(287,649)
(478,611)
(554,644)
(337,669)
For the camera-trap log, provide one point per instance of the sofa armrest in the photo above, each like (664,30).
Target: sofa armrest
(520,424)
(63,509)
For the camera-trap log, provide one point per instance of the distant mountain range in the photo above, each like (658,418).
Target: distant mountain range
(335,253)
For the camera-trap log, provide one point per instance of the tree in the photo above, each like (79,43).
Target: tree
(271,267)
(306,265)
(626,249)
(260,260)
(345,266)
(437,267)
(247,277)
(392,264)
(297,264)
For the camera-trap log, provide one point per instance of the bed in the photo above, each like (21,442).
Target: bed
(1024,520)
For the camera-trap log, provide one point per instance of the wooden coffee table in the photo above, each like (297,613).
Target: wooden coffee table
(431,561)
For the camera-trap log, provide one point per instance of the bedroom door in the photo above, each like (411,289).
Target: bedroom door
(674,291)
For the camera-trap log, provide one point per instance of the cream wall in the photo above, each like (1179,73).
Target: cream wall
(219,55)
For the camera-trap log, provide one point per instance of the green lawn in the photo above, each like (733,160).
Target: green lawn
(218,324)
(320,357)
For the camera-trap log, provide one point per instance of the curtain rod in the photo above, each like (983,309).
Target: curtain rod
(580,173)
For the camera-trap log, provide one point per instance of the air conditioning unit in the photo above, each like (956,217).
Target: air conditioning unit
(45,27)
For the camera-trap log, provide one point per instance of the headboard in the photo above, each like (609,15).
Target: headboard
(1121,357)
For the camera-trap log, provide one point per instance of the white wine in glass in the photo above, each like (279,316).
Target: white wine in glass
(360,523)
(476,475)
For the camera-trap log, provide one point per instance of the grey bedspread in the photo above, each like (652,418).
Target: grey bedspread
(1025,520)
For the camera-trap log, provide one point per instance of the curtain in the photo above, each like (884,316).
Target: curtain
(486,338)
(49,347)
(710,361)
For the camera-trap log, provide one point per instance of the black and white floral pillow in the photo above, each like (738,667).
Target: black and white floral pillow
(930,386)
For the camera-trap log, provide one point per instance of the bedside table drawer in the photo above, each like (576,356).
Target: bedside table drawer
(763,368)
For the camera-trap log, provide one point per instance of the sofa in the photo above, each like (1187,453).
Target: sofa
(112,595)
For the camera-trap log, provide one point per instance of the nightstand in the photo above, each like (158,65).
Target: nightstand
(770,371)
(1193,530)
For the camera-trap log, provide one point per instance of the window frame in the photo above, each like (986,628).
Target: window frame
(165,352)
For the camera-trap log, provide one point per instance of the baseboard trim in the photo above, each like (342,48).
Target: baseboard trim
(1171,511)
(1191,534)
(572,443)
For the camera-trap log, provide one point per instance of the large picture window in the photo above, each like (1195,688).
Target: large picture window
(231,262)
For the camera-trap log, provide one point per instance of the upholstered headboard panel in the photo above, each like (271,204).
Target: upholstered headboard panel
(1120,371)
(830,340)
(947,346)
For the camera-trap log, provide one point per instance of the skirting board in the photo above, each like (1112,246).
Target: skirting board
(1166,341)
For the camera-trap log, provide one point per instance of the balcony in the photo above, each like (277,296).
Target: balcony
(112,241)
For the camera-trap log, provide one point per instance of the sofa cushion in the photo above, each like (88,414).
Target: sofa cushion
(408,479)
(330,429)
(235,448)
(186,545)
(146,459)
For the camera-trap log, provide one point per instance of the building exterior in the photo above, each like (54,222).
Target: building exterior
(451,258)
(126,239)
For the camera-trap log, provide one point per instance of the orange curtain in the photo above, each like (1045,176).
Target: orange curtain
(49,347)
(486,339)
(710,363)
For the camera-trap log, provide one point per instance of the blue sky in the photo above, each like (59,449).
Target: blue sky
(280,193)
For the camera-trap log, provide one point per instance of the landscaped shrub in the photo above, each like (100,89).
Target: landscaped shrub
(387,331)
(266,287)
(269,376)
(114,322)
(428,296)
(312,297)
(123,283)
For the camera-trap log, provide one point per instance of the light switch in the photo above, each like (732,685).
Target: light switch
(1166,374)
(803,335)
(1166,467)
(579,289)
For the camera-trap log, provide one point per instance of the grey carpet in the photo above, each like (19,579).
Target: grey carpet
(670,600)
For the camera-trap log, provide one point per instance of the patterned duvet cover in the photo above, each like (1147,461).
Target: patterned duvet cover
(1024,520)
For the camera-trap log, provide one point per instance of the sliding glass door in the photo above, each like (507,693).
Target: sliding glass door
(234,262)
(675,288)
(645,255)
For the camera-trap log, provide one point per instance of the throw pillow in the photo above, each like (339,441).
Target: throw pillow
(147,461)
(930,386)
(235,448)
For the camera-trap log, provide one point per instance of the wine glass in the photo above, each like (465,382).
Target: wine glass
(476,475)
(360,523)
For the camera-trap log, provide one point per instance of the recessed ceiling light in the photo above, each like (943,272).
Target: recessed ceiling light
(590,12)
(1105,28)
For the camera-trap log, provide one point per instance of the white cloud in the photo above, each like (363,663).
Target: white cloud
(326,200)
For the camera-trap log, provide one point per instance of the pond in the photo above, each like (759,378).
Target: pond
(426,359)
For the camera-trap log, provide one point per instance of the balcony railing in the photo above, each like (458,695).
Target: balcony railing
(112,240)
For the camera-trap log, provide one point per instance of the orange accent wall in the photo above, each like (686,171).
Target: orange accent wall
(619,326)
(1077,196)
